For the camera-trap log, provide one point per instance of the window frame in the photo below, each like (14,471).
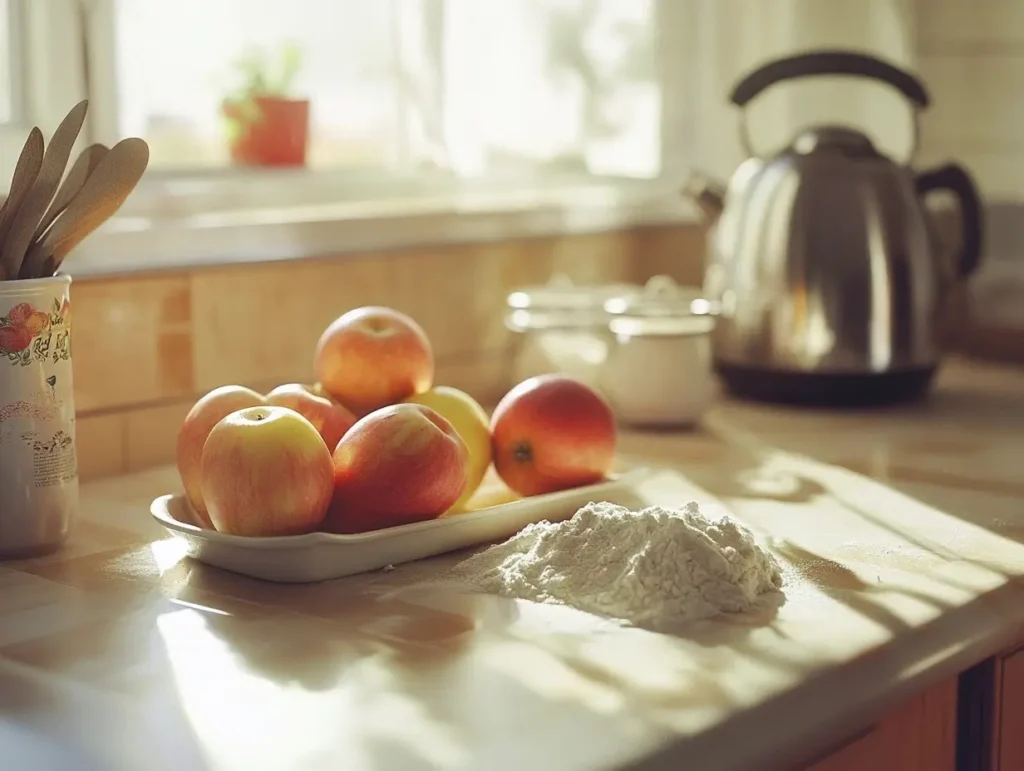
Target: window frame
(169,213)
(11,17)
(46,36)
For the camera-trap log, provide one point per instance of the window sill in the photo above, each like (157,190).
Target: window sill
(134,243)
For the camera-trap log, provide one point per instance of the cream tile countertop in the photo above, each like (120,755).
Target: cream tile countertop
(901,533)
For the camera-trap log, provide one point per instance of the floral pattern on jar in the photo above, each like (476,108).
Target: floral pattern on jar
(28,334)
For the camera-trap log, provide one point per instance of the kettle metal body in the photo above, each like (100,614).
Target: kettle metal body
(828,281)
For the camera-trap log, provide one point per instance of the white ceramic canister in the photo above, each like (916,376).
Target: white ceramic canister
(562,328)
(38,462)
(658,372)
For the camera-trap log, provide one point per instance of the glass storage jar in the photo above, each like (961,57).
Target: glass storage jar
(562,327)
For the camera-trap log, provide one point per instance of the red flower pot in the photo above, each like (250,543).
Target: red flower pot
(269,131)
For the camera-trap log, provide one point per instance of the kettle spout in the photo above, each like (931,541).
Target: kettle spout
(707,193)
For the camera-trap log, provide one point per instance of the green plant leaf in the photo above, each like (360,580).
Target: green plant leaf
(256,77)
(245,112)
(291,62)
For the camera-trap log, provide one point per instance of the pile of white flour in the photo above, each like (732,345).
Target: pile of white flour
(651,567)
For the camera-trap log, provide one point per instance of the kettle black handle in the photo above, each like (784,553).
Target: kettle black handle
(829,63)
(955,178)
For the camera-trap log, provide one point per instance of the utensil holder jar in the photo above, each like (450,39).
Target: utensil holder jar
(38,461)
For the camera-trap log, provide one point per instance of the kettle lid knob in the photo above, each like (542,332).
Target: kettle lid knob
(835,139)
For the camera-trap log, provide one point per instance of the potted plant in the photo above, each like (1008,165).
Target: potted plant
(265,125)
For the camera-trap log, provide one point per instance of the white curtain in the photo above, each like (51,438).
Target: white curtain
(736,36)
(526,86)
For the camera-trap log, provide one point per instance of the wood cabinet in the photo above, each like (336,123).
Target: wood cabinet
(1008,725)
(976,724)
(919,735)
(990,730)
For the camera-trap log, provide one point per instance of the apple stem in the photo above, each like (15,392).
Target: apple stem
(522,452)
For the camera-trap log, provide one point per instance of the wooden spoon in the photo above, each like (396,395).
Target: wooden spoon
(80,171)
(102,194)
(25,173)
(39,195)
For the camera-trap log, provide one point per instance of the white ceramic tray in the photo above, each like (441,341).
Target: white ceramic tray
(322,556)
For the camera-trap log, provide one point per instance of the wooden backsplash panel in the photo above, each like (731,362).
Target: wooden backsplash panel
(132,341)
(265,322)
(145,347)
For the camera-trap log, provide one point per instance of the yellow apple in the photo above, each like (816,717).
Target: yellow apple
(472,424)
(266,471)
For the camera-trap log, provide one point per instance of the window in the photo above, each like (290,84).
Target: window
(41,72)
(408,99)
(7,87)
(475,88)
(11,134)
(347,70)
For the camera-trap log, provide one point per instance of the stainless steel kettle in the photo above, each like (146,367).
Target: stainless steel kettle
(822,263)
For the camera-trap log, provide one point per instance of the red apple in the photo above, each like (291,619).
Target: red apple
(327,416)
(400,464)
(551,433)
(372,357)
(204,415)
(266,471)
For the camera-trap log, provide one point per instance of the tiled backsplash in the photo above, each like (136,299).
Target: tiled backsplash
(145,347)
(971,56)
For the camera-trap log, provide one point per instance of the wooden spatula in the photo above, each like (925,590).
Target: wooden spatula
(73,182)
(102,194)
(39,195)
(25,173)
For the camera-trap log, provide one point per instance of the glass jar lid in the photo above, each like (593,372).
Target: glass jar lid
(560,293)
(562,304)
(662,308)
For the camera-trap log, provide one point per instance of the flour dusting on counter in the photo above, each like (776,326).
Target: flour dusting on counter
(650,567)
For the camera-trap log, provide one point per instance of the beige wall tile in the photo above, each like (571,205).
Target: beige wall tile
(151,434)
(971,55)
(671,251)
(999,175)
(977,102)
(131,341)
(100,441)
(951,24)
(451,293)
(262,322)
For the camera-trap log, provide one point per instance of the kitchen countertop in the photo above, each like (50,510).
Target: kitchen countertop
(900,531)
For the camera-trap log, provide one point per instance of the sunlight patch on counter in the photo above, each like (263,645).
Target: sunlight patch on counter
(168,553)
